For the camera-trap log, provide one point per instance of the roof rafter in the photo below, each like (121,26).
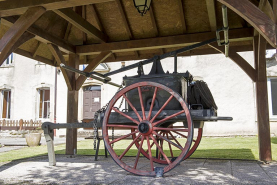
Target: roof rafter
(16,35)
(76,20)
(18,7)
(162,42)
(43,36)
(182,15)
(212,14)
(60,60)
(125,22)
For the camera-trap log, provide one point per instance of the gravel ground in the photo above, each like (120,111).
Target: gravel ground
(84,170)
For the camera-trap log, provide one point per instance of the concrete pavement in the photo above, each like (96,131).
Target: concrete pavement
(84,170)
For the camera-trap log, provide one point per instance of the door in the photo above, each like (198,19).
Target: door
(91,101)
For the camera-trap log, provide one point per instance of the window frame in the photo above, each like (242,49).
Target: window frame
(271,116)
(39,90)
(11,61)
(9,102)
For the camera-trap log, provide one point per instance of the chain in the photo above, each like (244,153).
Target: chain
(102,110)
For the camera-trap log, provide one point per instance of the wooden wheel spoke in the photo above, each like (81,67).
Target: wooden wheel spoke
(176,145)
(121,126)
(175,139)
(160,149)
(125,115)
(123,137)
(131,105)
(169,145)
(168,117)
(165,104)
(128,148)
(150,153)
(139,151)
(141,103)
(152,103)
(183,135)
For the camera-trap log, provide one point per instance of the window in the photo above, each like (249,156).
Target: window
(6,104)
(272,96)
(8,61)
(44,103)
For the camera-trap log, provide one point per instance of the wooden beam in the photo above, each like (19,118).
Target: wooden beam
(182,15)
(76,20)
(92,65)
(13,37)
(199,51)
(60,60)
(37,57)
(43,36)
(161,42)
(212,14)
(262,100)
(241,62)
(254,16)
(18,7)
(72,107)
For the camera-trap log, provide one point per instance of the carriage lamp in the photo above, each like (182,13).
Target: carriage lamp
(142,6)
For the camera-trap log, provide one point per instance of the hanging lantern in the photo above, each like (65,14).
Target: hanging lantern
(142,6)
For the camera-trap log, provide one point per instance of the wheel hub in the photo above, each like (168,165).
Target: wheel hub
(145,127)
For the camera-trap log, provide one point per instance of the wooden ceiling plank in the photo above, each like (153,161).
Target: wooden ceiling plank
(92,65)
(154,24)
(241,62)
(212,14)
(254,16)
(67,31)
(43,36)
(60,60)
(18,7)
(98,21)
(76,20)
(34,54)
(124,19)
(13,37)
(182,15)
(162,42)
(125,22)
(84,16)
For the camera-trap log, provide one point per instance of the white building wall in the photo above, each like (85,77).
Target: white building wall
(232,89)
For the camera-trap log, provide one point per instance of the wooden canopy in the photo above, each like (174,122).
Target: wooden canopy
(94,31)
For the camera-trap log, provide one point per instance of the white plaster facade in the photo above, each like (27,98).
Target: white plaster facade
(233,90)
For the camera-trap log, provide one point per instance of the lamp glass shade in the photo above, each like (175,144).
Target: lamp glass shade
(142,5)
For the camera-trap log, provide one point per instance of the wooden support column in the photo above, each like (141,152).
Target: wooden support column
(72,107)
(262,99)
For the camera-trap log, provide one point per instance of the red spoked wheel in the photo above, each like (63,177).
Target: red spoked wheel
(149,130)
(179,137)
(195,143)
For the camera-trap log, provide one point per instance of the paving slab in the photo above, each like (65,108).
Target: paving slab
(84,170)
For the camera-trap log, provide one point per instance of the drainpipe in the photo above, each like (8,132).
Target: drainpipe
(55,100)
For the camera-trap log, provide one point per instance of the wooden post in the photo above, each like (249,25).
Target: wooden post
(72,107)
(262,99)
